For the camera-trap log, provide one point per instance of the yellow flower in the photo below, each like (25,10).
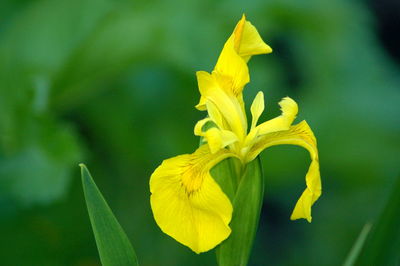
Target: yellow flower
(187,203)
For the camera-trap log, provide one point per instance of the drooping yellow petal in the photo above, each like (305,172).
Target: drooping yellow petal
(187,203)
(300,135)
(248,41)
(257,107)
(289,111)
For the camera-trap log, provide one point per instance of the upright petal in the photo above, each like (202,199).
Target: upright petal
(248,41)
(228,105)
(231,70)
(216,115)
(187,203)
(257,107)
(206,83)
(300,135)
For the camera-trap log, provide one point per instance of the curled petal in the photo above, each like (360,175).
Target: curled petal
(201,106)
(300,135)
(198,128)
(187,203)
(289,111)
(248,41)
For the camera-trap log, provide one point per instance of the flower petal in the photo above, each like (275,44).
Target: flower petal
(215,115)
(289,111)
(300,135)
(228,105)
(206,83)
(198,128)
(257,107)
(187,203)
(248,41)
(231,70)
(219,139)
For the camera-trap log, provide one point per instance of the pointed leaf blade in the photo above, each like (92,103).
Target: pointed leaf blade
(112,243)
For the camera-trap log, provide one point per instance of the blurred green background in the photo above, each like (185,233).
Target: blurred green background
(112,84)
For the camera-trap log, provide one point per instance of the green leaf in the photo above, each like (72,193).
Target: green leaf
(112,243)
(227,174)
(357,247)
(383,243)
(247,202)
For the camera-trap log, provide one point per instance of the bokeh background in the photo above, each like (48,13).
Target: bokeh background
(112,84)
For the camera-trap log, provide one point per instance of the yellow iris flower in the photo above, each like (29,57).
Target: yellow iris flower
(187,202)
